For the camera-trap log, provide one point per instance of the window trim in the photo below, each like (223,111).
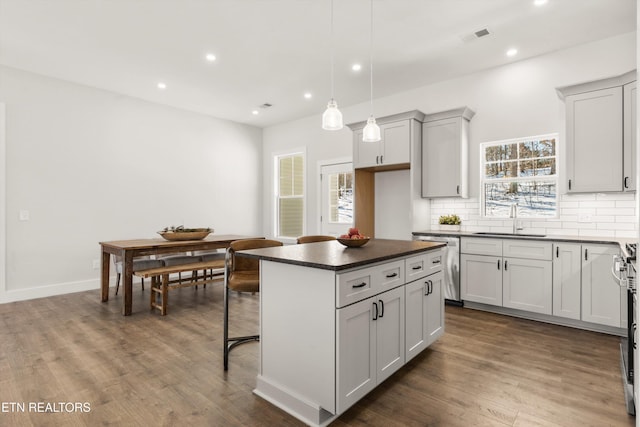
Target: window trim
(276,156)
(543,178)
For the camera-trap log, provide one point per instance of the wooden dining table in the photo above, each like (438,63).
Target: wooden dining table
(129,249)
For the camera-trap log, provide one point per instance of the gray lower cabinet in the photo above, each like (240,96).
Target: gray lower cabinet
(424,313)
(601,295)
(507,273)
(567,280)
(481,279)
(373,332)
(583,287)
(527,285)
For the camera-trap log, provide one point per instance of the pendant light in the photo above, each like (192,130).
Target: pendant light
(332,117)
(371,132)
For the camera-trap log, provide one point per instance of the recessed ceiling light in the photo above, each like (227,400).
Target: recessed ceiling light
(210,57)
(356,67)
(162,85)
(255,112)
(512,52)
(540,2)
(307,95)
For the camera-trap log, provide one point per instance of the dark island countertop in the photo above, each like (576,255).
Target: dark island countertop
(332,255)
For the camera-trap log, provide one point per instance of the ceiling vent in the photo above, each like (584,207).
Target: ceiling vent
(476,35)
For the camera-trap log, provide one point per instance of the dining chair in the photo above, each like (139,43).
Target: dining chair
(315,238)
(139,263)
(241,274)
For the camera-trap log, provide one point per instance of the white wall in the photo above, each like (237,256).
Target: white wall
(91,166)
(511,101)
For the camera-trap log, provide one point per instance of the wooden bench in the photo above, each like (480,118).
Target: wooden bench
(161,283)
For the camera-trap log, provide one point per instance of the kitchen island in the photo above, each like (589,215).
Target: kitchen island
(335,321)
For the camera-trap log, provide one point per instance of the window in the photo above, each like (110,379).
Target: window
(290,195)
(522,171)
(341,197)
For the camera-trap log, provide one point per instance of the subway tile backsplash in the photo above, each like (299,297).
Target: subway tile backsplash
(611,215)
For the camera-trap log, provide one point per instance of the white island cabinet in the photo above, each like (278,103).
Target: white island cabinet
(333,320)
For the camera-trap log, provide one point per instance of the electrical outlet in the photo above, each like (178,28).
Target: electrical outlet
(24,215)
(96,264)
(584,218)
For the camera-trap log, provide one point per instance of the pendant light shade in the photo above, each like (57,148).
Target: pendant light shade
(332,117)
(371,132)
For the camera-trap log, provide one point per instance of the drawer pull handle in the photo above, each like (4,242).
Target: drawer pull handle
(436,261)
(417,267)
(361,285)
(389,276)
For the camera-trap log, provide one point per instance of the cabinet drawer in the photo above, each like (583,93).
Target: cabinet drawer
(422,265)
(356,285)
(481,246)
(527,249)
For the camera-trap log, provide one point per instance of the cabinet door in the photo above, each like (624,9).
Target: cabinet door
(415,317)
(630,137)
(366,154)
(526,285)
(481,279)
(601,299)
(389,332)
(396,147)
(567,268)
(594,141)
(356,351)
(435,307)
(441,156)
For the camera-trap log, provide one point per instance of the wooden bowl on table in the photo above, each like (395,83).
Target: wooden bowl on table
(354,243)
(186,234)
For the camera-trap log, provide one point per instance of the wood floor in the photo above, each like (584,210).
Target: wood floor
(143,370)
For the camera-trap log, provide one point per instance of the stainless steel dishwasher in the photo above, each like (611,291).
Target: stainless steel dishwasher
(451,266)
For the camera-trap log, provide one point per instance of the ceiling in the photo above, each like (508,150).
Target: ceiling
(273,51)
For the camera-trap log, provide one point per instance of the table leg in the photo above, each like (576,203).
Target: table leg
(127,279)
(104,278)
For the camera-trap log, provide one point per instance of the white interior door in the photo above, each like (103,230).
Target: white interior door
(337,183)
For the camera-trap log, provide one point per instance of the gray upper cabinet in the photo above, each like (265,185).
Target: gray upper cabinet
(397,133)
(629,137)
(445,153)
(595,135)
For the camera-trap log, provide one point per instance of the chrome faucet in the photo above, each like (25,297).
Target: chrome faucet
(513,213)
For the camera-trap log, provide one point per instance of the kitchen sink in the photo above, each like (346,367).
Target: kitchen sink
(491,233)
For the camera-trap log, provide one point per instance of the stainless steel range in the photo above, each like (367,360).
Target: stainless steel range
(624,269)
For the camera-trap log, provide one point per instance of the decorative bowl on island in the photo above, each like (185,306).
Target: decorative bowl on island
(353,239)
(181,233)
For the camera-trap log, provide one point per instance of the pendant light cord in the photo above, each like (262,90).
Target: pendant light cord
(331,42)
(371,59)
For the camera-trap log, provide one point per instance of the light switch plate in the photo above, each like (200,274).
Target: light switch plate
(24,215)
